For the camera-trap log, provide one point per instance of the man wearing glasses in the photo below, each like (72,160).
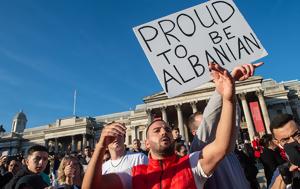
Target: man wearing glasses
(286,134)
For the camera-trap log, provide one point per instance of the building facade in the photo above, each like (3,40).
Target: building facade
(260,100)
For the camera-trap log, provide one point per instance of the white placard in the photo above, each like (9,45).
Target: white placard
(180,46)
(4,153)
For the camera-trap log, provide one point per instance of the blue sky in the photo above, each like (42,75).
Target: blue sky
(50,48)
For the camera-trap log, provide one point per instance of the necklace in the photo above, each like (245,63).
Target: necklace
(117,163)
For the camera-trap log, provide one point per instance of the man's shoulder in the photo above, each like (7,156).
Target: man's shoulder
(139,169)
(21,173)
(193,158)
(135,155)
(134,159)
(82,160)
(107,163)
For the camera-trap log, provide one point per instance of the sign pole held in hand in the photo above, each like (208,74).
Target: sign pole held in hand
(180,46)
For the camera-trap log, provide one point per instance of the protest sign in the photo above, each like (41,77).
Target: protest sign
(180,46)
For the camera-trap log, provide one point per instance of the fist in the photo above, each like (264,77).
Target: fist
(111,132)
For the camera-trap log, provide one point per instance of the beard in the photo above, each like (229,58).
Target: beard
(164,150)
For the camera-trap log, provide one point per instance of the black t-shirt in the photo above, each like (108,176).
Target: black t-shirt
(270,160)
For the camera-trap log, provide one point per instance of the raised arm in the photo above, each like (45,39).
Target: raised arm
(93,177)
(210,118)
(206,132)
(214,152)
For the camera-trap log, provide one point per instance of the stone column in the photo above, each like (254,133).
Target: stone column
(46,143)
(126,138)
(194,107)
(149,114)
(55,145)
(164,114)
(186,133)
(133,133)
(73,148)
(288,107)
(79,145)
(264,110)
(247,116)
(144,136)
(83,141)
(91,142)
(180,121)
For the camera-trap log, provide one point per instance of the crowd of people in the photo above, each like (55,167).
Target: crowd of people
(212,160)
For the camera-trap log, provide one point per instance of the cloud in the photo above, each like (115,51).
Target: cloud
(32,64)
(41,67)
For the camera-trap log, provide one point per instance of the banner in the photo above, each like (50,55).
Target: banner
(180,46)
(256,116)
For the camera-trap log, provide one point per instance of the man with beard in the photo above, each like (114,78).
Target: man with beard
(136,147)
(121,161)
(87,154)
(85,159)
(165,169)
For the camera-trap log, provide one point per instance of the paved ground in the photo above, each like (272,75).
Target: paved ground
(261,176)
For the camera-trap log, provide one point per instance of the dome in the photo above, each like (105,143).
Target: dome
(20,115)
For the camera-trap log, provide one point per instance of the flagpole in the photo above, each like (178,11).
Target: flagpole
(74,105)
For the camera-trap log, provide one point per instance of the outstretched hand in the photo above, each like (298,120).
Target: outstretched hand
(245,71)
(223,81)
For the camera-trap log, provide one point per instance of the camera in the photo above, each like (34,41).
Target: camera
(289,177)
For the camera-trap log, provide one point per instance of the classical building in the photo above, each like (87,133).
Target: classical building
(260,100)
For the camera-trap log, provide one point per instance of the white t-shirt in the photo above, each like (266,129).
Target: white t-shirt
(125,163)
(199,176)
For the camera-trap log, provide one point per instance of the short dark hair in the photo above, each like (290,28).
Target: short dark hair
(178,146)
(265,140)
(11,159)
(155,120)
(136,140)
(279,121)
(175,129)
(36,148)
(87,147)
